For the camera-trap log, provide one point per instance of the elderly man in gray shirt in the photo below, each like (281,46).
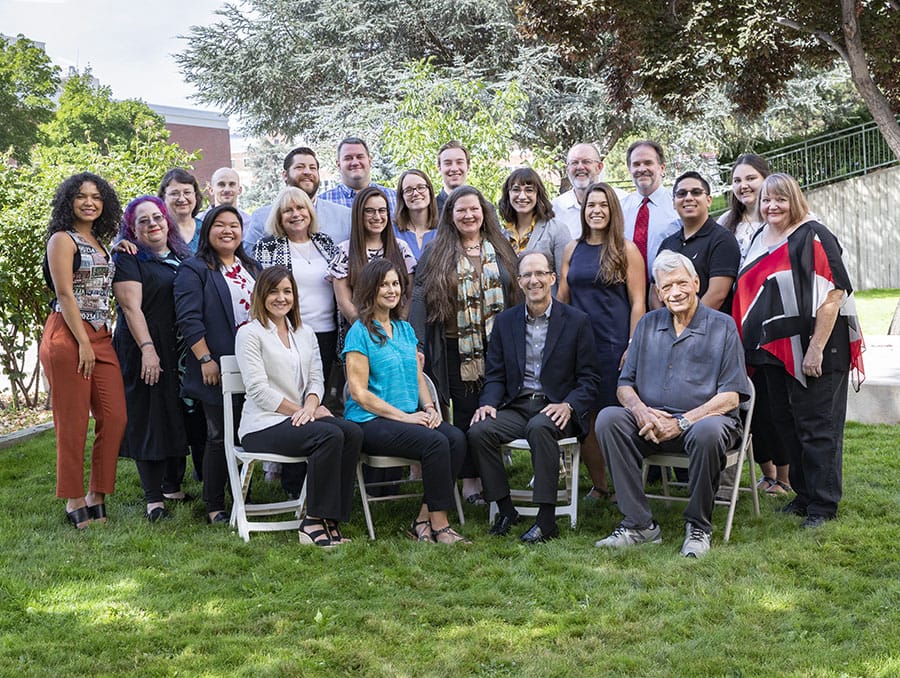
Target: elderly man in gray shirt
(680,389)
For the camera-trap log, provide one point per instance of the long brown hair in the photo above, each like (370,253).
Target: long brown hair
(358,257)
(266,282)
(366,291)
(441,279)
(402,216)
(612,268)
(737,209)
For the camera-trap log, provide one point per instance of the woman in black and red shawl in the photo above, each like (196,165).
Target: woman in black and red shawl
(795,311)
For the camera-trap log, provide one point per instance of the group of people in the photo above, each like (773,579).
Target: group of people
(530,318)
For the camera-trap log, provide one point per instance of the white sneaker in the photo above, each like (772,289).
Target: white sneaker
(631,536)
(696,542)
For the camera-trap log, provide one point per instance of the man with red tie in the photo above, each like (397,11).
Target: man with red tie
(649,213)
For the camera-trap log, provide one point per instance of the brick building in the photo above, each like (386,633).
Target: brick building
(203,131)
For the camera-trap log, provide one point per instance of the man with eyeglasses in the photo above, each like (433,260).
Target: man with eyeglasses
(540,382)
(453,164)
(583,167)
(354,162)
(301,170)
(712,248)
(648,212)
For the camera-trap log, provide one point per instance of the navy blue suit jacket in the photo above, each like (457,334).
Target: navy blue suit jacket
(203,310)
(569,372)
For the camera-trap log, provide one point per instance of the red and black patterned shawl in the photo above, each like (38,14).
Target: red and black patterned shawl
(777,295)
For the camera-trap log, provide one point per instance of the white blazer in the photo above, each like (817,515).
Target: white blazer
(272,372)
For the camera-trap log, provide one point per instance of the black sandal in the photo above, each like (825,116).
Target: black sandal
(317,537)
(334,531)
(450,536)
(97,512)
(80,517)
(420,530)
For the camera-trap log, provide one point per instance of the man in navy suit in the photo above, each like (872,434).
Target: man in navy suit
(540,382)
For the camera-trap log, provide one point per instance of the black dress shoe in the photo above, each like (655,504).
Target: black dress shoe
(794,508)
(219,519)
(814,520)
(157,514)
(536,535)
(502,524)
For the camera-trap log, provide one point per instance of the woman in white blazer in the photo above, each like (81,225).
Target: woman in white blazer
(282,371)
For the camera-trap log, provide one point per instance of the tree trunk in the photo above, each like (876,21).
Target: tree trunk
(855,56)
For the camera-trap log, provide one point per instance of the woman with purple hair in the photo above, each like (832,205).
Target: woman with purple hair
(148,348)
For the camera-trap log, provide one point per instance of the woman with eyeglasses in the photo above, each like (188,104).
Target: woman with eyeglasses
(603,275)
(417,214)
(371,237)
(528,213)
(180,191)
(465,277)
(148,347)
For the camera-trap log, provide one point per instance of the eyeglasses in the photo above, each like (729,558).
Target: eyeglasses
(143,222)
(682,193)
(540,275)
(421,189)
(175,195)
(581,163)
(527,190)
(372,211)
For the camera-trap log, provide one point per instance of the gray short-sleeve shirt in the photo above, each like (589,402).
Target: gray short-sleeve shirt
(677,374)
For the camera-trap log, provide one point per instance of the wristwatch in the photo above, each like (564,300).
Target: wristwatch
(683,422)
(207,358)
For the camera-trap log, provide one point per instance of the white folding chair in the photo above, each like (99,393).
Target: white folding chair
(378,461)
(734,457)
(569,460)
(239,476)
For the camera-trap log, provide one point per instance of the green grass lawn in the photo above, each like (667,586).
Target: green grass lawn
(182,598)
(876,309)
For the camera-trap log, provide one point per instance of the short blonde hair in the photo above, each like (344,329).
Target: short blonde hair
(785,186)
(290,195)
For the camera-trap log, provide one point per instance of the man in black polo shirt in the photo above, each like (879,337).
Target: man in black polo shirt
(712,249)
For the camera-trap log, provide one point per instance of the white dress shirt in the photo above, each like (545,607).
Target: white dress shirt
(664,220)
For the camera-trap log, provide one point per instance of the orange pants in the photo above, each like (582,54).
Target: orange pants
(74,398)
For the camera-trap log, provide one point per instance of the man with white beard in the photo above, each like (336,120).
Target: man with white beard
(583,167)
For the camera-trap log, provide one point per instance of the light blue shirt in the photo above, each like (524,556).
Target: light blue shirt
(344,195)
(393,368)
(663,222)
(409,237)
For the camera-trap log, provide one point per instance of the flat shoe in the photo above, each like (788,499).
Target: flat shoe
(318,536)
(780,488)
(98,512)
(420,530)
(602,495)
(447,535)
(80,517)
(766,483)
(221,518)
(476,499)
(157,514)
(188,497)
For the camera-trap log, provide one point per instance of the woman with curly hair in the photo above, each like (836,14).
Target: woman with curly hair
(603,275)
(149,349)
(465,277)
(76,349)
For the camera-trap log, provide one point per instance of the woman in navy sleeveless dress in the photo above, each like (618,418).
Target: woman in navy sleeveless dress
(603,275)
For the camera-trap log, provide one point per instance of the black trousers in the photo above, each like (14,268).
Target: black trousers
(160,476)
(521,419)
(440,450)
(767,444)
(810,424)
(215,471)
(332,446)
(464,396)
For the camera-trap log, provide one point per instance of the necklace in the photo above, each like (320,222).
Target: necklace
(304,249)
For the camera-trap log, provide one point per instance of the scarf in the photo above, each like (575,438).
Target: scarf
(478,301)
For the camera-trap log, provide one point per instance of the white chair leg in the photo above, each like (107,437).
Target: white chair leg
(365,500)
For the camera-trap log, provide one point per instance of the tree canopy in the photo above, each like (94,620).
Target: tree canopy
(325,70)
(675,51)
(28,81)
(87,112)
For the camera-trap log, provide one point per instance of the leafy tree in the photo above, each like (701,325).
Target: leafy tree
(28,81)
(87,112)
(304,67)
(265,159)
(675,51)
(434,110)
(26,193)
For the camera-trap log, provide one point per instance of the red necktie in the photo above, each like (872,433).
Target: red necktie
(640,227)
